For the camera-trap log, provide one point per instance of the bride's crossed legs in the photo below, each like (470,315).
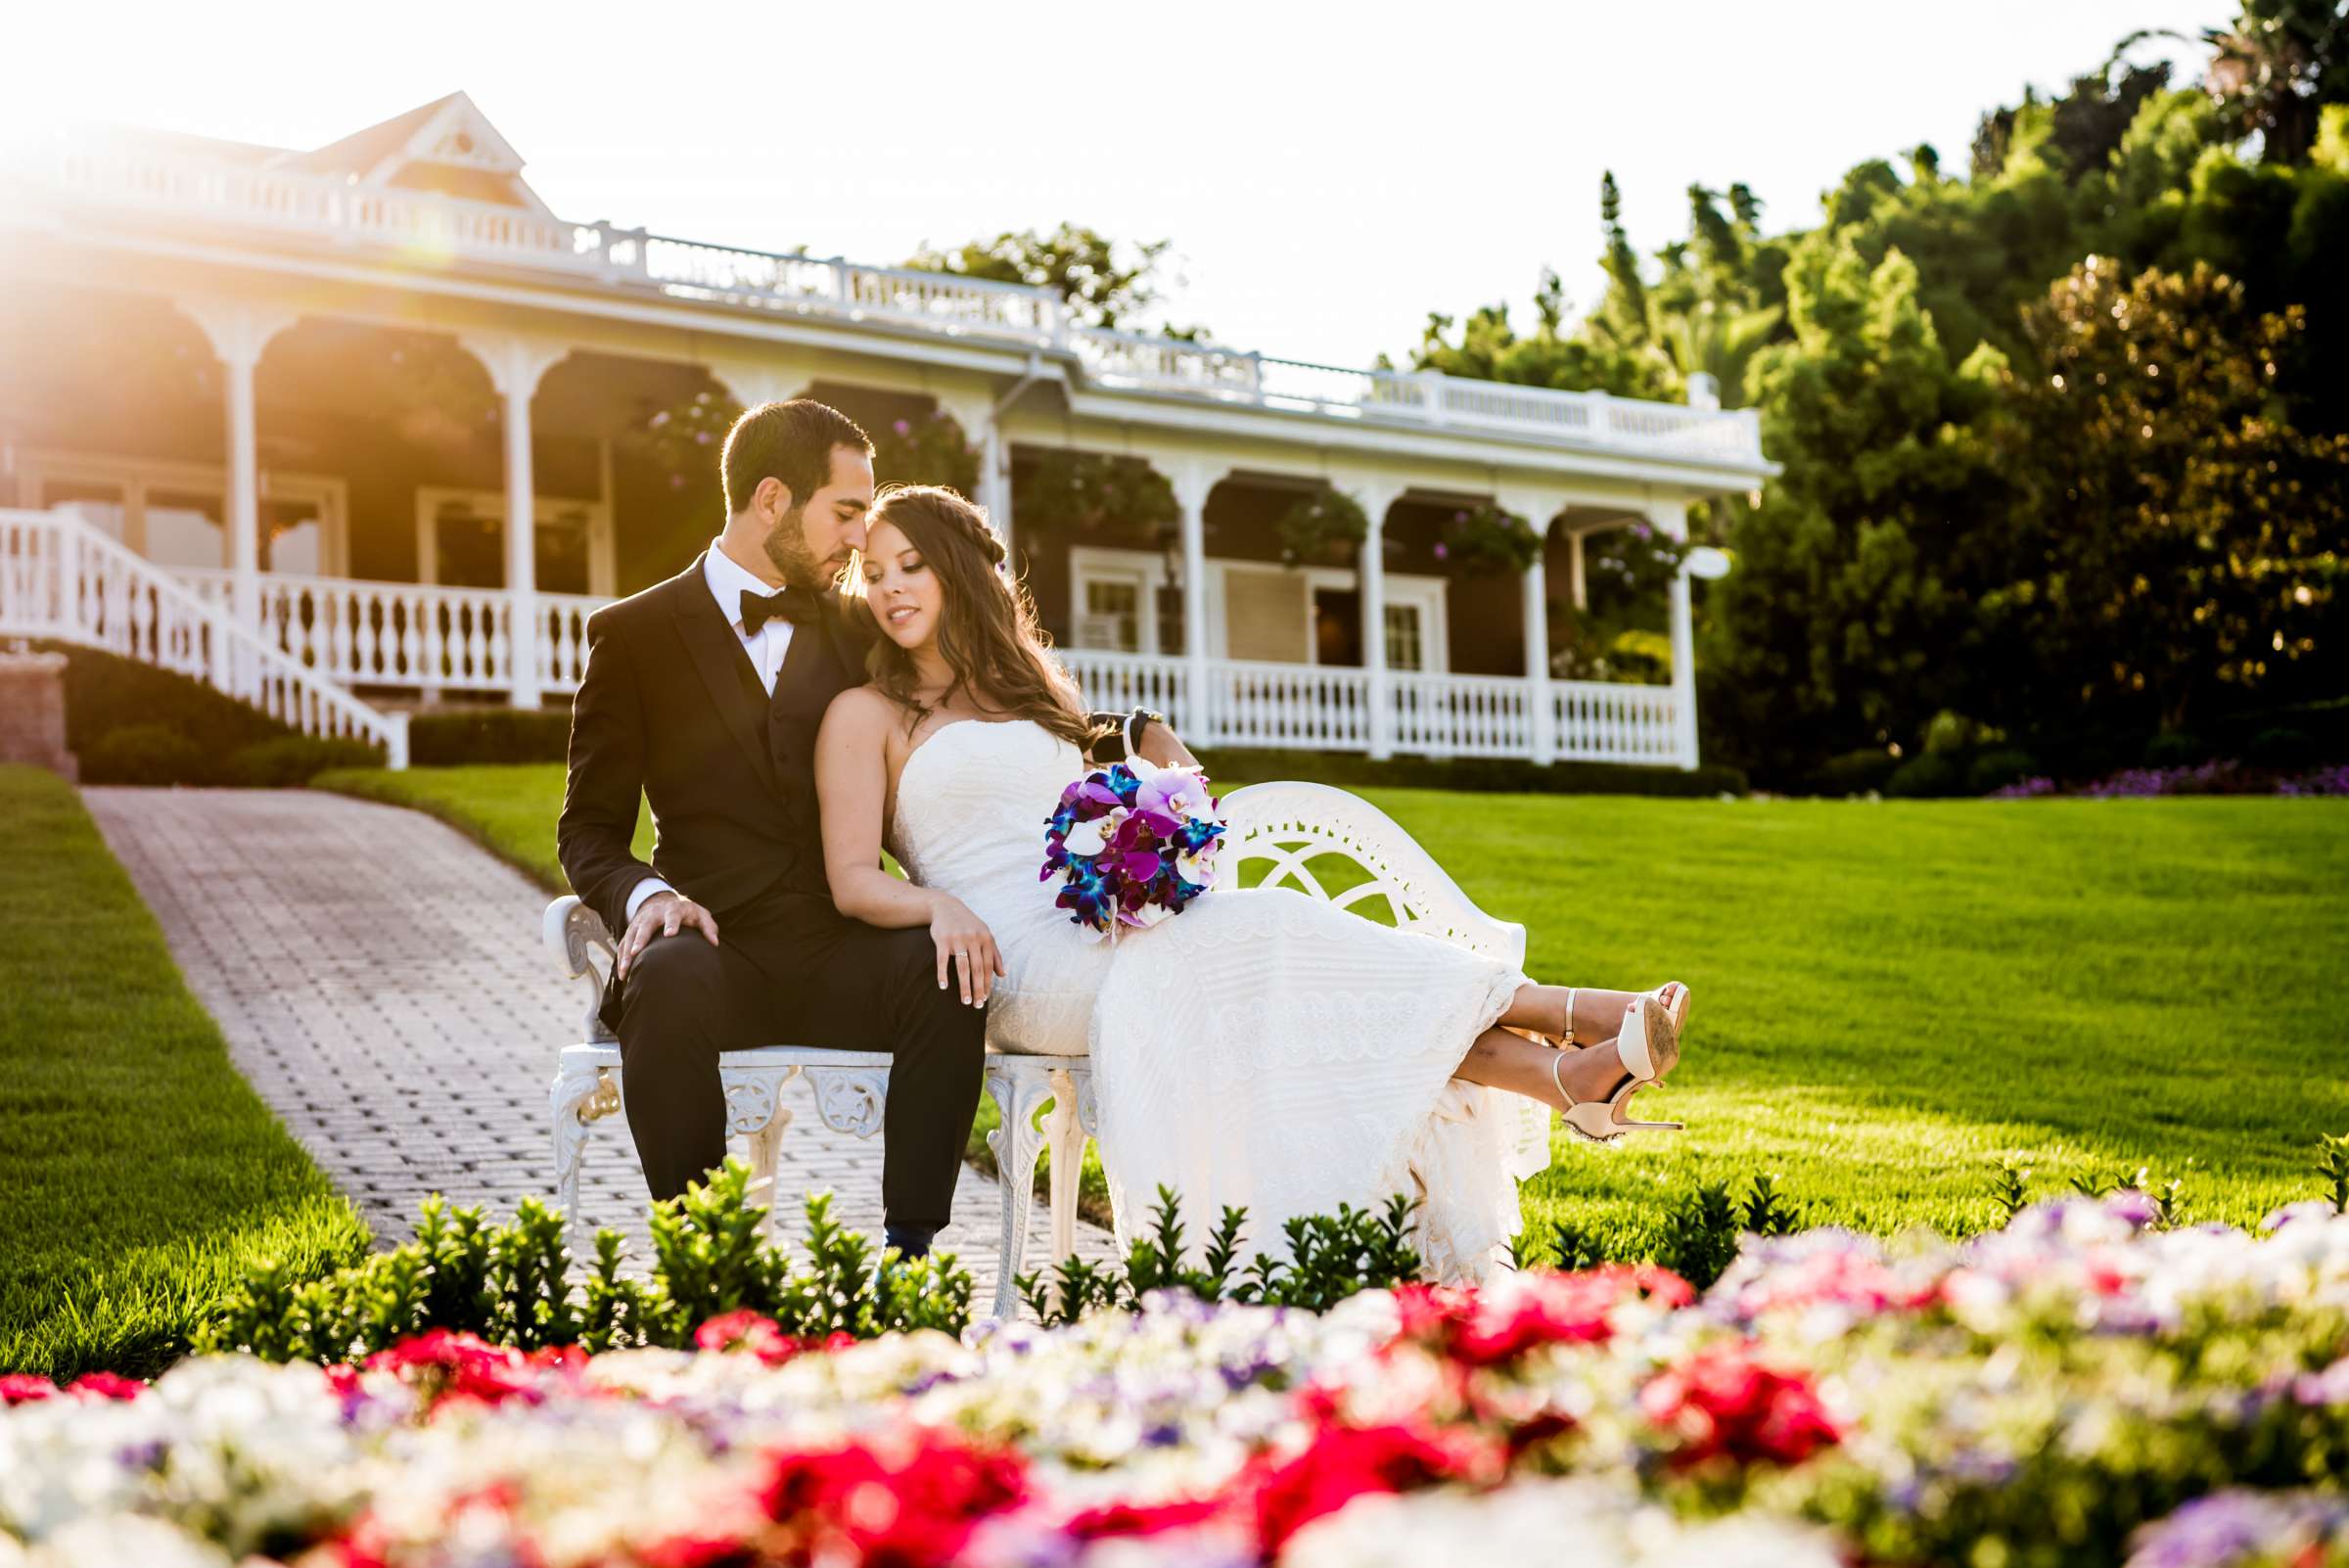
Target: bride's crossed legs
(1503,1057)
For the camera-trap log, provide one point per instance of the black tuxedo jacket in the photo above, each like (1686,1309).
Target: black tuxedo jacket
(671,709)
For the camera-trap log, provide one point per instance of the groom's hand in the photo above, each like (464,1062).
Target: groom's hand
(663,914)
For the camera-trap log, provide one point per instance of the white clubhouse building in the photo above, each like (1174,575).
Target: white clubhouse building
(366,421)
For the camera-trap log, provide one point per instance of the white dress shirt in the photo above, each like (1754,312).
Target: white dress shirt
(728,580)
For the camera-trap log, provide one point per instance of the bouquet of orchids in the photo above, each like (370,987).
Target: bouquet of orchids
(1131,843)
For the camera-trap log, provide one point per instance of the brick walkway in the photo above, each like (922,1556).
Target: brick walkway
(380,984)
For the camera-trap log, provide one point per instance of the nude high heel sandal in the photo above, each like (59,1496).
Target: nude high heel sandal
(1650,1047)
(1675,1009)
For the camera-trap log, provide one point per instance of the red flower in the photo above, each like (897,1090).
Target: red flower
(907,1499)
(748,1331)
(23,1388)
(1525,1312)
(1346,1463)
(447,1365)
(1725,1402)
(1144,1518)
(106,1386)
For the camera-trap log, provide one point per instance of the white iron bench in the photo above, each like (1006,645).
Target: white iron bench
(1319,841)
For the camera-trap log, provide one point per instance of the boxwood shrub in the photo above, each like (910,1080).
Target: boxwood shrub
(1485,775)
(459,736)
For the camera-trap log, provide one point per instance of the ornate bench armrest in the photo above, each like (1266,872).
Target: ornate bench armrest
(572,933)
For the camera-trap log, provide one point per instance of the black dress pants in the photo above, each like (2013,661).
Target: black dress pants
(790,970)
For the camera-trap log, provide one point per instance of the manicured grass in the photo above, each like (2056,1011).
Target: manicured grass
(139,1174)
(1891,996)
(509,810)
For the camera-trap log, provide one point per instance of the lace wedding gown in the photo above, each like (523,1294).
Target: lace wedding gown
(1262,1048)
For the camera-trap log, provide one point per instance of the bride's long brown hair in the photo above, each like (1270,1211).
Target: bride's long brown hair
(986,630)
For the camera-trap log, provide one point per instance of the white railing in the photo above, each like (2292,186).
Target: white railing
(419,223)
(1122,682)
(1599,721)
(61,579)
(1462,715)
(938,301)
(119,173)
(1304,705)
(1251,704)
(410,635)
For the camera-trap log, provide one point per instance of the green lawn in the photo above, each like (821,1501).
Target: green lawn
(139,1175)
(1889,998)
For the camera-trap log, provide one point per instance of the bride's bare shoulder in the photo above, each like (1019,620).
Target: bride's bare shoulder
(859,715)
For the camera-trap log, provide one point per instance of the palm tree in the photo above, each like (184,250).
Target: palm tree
(2273,70)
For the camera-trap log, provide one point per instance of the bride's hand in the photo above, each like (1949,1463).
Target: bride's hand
(964,942)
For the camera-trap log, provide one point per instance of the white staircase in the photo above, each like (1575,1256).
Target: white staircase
(61,579)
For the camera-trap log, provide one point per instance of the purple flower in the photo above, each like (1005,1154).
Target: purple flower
(902,428)
(1440,552)
(2238,1526)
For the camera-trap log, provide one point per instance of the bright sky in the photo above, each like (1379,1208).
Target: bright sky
(1327,179)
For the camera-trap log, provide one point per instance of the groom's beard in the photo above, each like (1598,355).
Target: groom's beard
(787,548)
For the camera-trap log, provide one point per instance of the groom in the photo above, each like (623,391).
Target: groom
(703,694)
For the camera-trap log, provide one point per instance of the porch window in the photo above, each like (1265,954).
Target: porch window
(1404,650)
(105,505)
(184,528)
(1112,616)
(175,514)
(461,541)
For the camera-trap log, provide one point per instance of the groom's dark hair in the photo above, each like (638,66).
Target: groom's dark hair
(789,441)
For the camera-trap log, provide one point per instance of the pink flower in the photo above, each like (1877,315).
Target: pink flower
(25,1387)
(444,1365)
(749,1332)
(1524,1311)
(106,1386)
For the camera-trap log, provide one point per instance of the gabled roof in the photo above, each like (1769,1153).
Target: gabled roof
(425,145)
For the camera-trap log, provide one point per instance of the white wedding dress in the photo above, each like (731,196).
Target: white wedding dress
(1261,1048)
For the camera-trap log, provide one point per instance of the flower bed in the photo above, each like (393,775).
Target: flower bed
(2076,1388)
(2222,777)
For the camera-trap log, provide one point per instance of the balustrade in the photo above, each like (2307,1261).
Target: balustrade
(61,579)
(431,226)
(412,635)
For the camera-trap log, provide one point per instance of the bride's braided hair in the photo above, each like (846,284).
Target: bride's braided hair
(987,629)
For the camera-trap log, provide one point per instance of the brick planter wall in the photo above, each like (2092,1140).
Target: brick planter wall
(32,712)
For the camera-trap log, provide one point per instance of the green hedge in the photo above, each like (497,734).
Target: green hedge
(463,736)
(105,693)
(1479,775)
(132,723)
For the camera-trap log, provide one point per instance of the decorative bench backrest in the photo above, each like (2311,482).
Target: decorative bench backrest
(1330,844)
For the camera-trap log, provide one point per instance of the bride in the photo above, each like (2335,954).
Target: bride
(1262,1048)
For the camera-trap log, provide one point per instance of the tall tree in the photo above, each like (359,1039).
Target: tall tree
(1106,284)
(2181,545)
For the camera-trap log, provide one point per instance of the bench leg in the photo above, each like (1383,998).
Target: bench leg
(1016,1144)
(765,1144)
(1063,1135)
(578,1098)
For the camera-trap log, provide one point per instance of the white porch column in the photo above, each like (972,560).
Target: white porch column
(977,417)
(516,365)
(1194,478)
(1377,495)
(240,332)
(1541,729)
(1672,518)
(1578,587)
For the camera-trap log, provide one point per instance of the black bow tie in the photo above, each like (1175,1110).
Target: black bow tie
(784,604)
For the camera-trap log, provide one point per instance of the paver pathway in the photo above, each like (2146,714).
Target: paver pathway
(381,983)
